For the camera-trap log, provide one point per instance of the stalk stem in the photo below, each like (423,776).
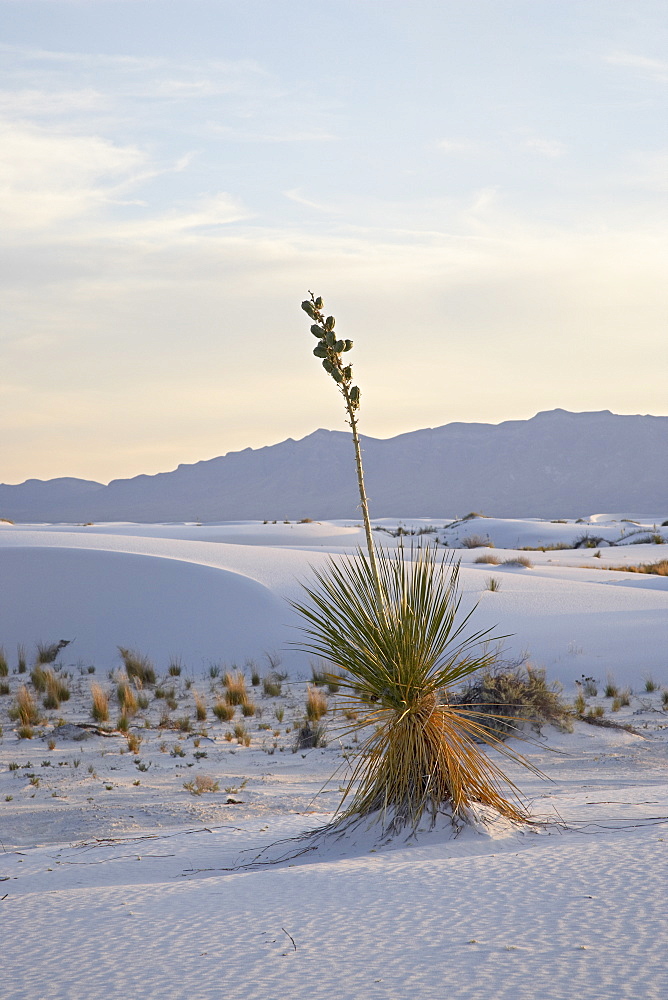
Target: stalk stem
(363,498)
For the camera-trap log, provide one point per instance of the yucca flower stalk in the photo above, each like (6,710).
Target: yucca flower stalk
(391,624)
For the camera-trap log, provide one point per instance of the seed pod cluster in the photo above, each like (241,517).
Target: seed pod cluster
(329,348)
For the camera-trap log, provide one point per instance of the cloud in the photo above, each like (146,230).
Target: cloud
(47,177)
(295,195)
(456,145)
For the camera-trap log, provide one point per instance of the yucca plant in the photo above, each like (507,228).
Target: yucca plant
(390,623)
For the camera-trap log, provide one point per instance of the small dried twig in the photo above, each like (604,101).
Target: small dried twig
(291,938)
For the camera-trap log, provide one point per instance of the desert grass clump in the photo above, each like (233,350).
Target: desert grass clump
(235,688)
(38,678)
(123,722)
(134,742)
(175,667)
(493,584)
(4,666)
(21,659)
(650,685)
(25,708)
(4,688)
(271,686)
(579,705)
(522,561)
(200,708)
(390,623)
(99,709)
(56,690)
(137,665)
(476,542)
(611,689)
(316,704)
(127,699)
(25,732)
(248,709)
(487,558)
(223,711)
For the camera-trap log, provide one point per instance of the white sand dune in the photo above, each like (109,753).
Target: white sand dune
(118,881)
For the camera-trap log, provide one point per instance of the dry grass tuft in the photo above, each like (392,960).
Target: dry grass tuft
(100,703)
(505,698)
(127,699)
(488,558)
(518,561)
(316,704)
(200,708)
(235,684)
(477,542)
(137,666)
(223,711)
(25,708)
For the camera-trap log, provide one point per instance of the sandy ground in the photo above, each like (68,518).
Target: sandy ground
(118,880)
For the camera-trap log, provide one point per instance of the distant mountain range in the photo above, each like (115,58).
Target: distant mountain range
(557,464)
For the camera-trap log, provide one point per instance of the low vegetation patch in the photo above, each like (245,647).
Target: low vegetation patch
(502,699)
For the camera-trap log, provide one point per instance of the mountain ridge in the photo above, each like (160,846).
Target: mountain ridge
(556,463)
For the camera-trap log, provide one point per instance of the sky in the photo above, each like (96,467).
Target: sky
(477,188)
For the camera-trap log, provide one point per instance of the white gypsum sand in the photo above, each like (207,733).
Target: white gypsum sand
(120,879)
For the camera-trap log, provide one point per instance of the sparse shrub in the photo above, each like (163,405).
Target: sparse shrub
(175,668)
(664,699)
(579,705)
(271,686)
(47,652)
(518,561)
(309,735)
(4,666)
(476,542)
(502,699)
(487,558)
(589,687)
(171,703)
(25,732)
(254,672)
(123,723)
(142,701)
(625,697)
(137,665)
(596,713)
(184,724)
(650,685)
(493,583)
(4,688)
(223,711)
(235,684)
(21,659)
(200,708)
(248,709)
(200,784)
(316,704)
(177,751)
(279,713)
(611,689)
(616,704)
